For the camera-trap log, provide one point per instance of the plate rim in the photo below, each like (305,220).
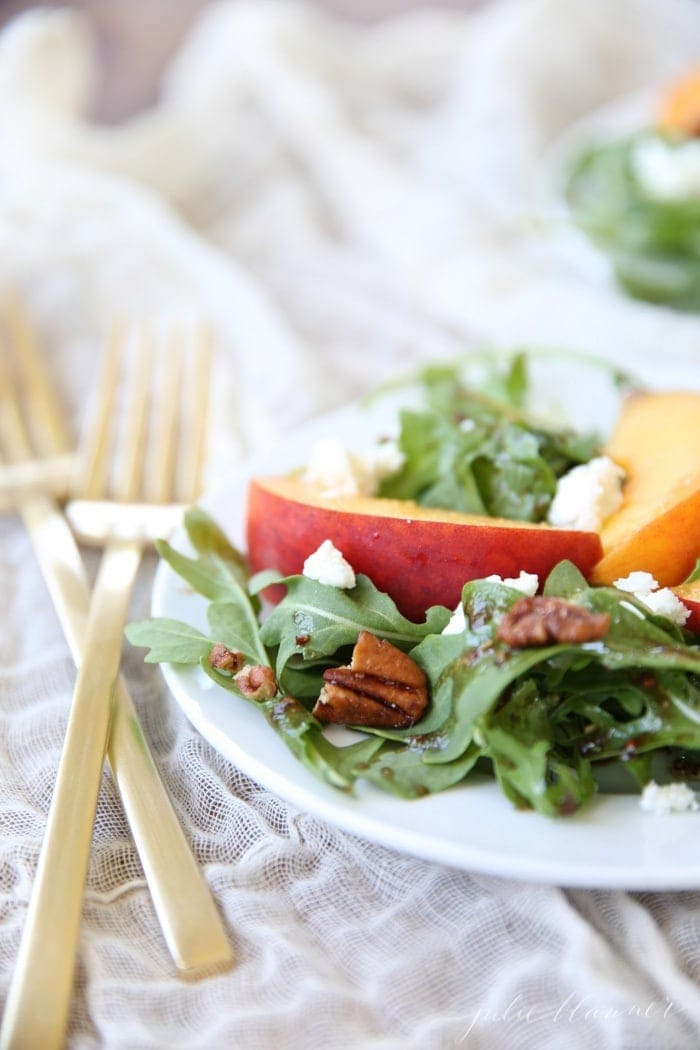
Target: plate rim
(473,860)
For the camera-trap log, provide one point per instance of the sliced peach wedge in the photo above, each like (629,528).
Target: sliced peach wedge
(419,555)
(657,528)
(422,556)
(679,112)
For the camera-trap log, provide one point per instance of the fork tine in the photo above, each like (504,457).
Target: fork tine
(195,417)
(12,428)
(48,425)
(190,920)
(159,485)
(129,468)
(97,444)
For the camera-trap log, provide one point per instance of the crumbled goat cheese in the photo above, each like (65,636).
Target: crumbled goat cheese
(587,495)
(526,582)
(466,425)
(661,601)
(457,622)
(327,565)
(382,461)
(668,798)
(667,172)
(336,471)
(637,583)
(664,603)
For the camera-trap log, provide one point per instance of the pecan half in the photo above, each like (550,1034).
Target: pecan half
(541,621)
(225,659)
(381,687)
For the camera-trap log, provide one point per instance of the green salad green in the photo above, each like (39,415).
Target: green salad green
(542,720)
(653,243)
(479,452)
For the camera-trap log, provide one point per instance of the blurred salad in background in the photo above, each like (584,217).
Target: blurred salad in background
(638,199)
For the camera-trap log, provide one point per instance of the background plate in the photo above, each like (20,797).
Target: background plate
(611,843)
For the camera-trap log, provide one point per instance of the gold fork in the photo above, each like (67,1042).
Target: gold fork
(51,476)
(37,1005)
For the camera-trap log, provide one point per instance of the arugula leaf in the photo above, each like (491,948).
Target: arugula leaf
(303,735)
(437,464)
(652,642)
(236,625)
(519,739)
(668,716)
(209,574)
(220,573)
(402,771)
(481,455)
(315,620)
(485,602)
(303,679)
(264,578)
(565,581)
(477,688)
(207,538)
(515,383)
(169,641)
(500,385)
(516,481)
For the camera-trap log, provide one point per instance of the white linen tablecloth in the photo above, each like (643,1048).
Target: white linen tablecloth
(342,203)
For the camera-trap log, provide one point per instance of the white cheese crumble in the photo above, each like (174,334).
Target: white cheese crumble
(665,603)
(327,565)
(667,172)
(527,582)
(637,583)
(587,495)
(457,622)
(336,471)
(383,460)
(668,798)
(661,601)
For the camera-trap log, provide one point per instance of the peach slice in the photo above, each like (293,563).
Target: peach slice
(419,555)
(657,528)
(680,107)
(689,594)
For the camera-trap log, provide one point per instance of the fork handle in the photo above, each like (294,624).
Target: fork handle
(37,1006)
(193,929)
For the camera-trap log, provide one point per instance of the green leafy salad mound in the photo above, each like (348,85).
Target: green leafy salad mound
(478,451)
(653,242)
(542,720)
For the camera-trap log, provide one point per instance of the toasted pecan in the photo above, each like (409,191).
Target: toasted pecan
(382,686)
(541,621)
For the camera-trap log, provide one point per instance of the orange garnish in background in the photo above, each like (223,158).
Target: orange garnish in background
(680,107)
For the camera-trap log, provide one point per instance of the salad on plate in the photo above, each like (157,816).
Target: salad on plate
(481,592)
(637,197)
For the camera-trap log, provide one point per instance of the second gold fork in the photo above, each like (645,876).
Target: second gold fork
(40,992)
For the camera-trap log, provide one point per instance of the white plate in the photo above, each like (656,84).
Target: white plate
(610,843)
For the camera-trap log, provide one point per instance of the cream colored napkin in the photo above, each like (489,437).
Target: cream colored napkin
(342,203)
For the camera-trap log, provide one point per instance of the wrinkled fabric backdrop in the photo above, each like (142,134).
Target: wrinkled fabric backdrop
(342,202)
